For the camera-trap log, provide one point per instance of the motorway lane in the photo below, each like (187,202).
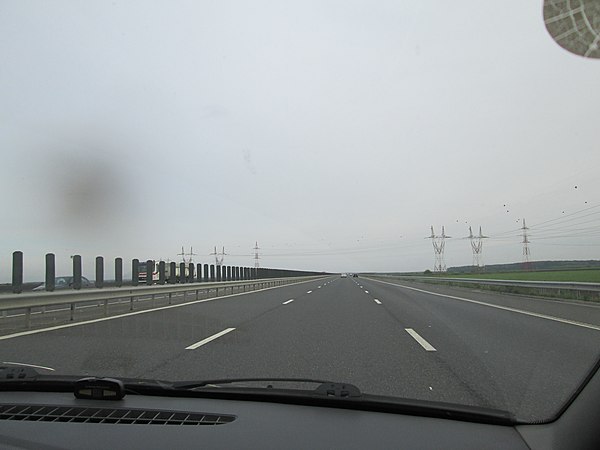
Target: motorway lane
(134,345)
(580,311)
(516,362)
(331,330)
(454,351)
(336,332)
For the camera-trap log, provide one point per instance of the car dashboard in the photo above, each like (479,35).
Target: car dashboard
(58,420)
(40,419)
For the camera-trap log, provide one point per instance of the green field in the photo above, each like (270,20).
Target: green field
(592,275)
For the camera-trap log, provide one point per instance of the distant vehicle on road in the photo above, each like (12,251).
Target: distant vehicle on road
(354,275)
(344,275)
(65,283)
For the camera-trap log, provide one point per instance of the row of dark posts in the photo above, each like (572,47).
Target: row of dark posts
(188,273)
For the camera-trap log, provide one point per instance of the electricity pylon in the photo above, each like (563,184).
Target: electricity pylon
(477,247)
(219,256)
(439,244)
(525,242)
(256,257)
(183,254)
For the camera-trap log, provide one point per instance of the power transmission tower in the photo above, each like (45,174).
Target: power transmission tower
(219,256)
(477,247)
(525,242)
(191,255)
(439,244)
(183,254)
(256,257)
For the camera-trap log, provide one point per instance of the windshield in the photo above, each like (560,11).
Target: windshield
(390,194)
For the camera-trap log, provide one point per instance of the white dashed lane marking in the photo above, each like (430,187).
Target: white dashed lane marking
(208,339)
(422,342)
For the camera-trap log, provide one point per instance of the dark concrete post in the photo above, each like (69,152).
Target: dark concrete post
(17,272)
(50,271)
(182,272)
(161,272)
(119,272)
(219,271)
(191,275)
(149,272)
(135,272)
(99,281)
(198,272)
(76,271)
(172,273)
(212,272)
(205,274)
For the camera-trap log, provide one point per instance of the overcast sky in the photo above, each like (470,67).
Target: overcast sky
(333,133)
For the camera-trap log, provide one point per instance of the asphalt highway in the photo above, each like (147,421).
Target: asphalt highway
(524,355)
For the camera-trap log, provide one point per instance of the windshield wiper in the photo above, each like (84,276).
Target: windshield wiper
(324,388)
(28,379)
(326,393)
(339,395)
(219,382)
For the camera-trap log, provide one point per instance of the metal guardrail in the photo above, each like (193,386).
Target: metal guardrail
(558,285)
(28,301)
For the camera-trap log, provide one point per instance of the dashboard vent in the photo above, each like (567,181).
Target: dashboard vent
(46,413)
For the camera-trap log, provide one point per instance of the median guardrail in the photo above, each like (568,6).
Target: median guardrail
(28,301)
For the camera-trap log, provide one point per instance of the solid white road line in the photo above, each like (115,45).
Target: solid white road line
(289,301)
(426,345)
(505,308)
(28,365)
(377,301)
(208,339)
(135,313)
